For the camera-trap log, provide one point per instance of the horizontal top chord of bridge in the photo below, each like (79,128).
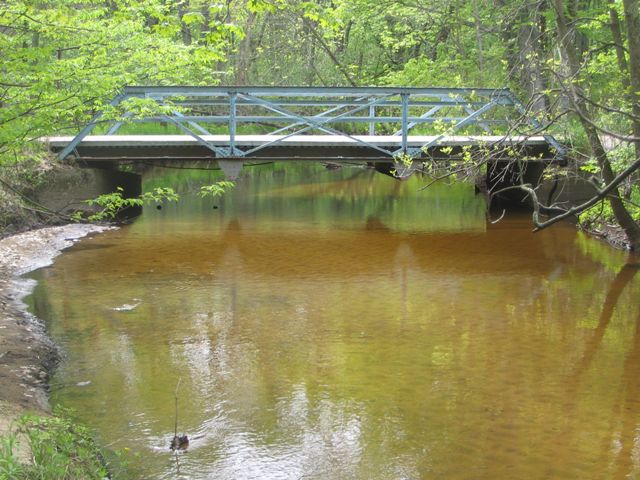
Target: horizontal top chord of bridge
(275,91)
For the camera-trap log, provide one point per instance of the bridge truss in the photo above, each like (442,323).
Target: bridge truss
(239,123)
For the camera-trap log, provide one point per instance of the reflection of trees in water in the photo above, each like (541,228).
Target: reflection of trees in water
(629,391)
(374,223)
(621,280)
(290,188)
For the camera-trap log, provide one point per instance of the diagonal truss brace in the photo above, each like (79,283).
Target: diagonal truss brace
(87,130)
(220,152)
(320,125)
(465,121)
(319,116)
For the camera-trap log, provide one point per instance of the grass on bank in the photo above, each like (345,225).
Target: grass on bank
(60,449)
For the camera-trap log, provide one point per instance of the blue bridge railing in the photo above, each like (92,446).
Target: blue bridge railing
(360,115)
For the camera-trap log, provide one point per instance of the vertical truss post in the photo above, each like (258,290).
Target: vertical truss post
(233,97)
(372,123)
(424,115)
(405,120)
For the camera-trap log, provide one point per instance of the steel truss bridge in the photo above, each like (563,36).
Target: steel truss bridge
(233,125)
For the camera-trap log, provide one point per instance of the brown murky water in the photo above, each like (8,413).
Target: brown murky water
(342,325)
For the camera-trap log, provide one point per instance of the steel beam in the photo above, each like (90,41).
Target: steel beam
(197,91)
(561,151)
(405,121)
(222,119)
(232,123)
(191,121)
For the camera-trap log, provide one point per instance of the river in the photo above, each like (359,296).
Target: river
(340,324)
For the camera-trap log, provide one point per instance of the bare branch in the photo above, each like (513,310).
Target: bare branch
(603,193)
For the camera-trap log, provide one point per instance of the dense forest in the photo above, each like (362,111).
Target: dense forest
(575,62)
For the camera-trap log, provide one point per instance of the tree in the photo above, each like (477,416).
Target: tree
(581,103)
(62,59)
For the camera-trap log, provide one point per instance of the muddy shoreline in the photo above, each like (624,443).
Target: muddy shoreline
(27,354)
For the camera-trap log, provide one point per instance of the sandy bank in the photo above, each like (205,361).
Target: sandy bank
(27,355)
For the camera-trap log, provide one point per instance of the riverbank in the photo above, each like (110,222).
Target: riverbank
(27,355)
(611,234)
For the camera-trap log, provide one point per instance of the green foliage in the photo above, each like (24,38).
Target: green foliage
(111,204)
(216,189)
(9,464)
(404,158)
(601,215)
(61,61)
(139,108)
(18,180)
(60,450)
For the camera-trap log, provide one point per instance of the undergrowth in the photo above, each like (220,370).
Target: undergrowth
(18,181)
(60,449)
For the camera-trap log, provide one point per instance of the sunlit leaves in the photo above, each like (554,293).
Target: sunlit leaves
(215,189)
(111,204)
(61,61)
(193,18)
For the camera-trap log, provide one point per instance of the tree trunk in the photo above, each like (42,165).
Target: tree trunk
(522,34)
(479,43)
(616,32)
(184,28)
(244,52)
(632,19)
(310,28)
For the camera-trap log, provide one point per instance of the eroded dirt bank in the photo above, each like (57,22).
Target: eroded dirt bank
(27,355)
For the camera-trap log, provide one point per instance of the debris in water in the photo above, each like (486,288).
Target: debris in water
(83,384)
(179,443)
(127,307)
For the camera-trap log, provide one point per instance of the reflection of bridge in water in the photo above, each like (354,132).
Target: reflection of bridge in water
(376,125)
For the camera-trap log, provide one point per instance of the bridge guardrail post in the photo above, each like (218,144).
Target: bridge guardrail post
(405,120)
(233,97)
(372,123)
